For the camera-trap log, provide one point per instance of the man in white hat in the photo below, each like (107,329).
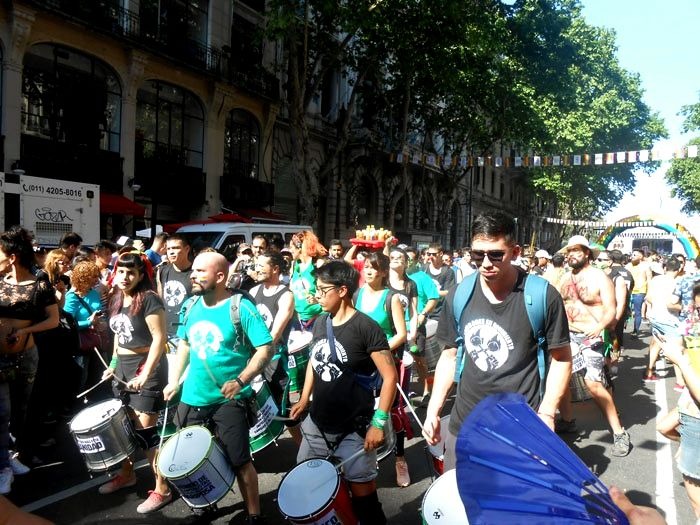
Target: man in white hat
(589,300)
(543,262)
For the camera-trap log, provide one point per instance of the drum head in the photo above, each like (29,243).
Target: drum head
(95,415)
(442,504)
(184,451)
(298,340)
(307,488)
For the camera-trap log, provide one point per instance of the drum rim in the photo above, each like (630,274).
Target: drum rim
(339,482)
(103,422)
(194,468)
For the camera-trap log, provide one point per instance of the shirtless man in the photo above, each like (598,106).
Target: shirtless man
(589,300)
(641,272)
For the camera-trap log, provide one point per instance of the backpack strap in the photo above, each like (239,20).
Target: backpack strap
(236,296)
(463,295)
(536,307)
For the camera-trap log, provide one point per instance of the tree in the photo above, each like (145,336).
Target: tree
(684,174)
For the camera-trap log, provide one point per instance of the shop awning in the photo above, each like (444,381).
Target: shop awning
(111,204)
(257,214)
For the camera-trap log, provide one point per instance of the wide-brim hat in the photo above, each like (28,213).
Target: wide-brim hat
(580,240)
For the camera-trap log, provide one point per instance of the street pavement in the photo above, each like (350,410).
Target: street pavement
(62,491)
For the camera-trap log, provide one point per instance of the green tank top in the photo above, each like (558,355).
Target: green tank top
(378,313)
(303,284)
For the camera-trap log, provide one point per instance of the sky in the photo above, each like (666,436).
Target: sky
(658,40)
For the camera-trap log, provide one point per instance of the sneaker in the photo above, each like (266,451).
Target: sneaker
(116,483)
(18,468)
(6,479)
(154,502)
(651,378)
(621,444)
(403,478)
(562,426)
(678,387)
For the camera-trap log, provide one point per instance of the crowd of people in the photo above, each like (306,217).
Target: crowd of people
(169,328)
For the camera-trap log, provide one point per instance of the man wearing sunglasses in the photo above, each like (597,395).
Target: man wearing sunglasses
(499,346)
(589,298)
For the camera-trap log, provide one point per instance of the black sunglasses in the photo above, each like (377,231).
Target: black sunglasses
(494,255)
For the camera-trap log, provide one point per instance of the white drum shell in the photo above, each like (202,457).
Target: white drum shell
(197,466)
(442,504)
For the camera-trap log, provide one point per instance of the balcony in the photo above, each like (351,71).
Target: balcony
(246,192)
(107,17)
(253,79)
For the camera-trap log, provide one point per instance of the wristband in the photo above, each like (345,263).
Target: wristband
(113,362)
(241,383)
(379,419)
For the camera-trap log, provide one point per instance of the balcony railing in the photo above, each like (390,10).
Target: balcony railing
(115,20)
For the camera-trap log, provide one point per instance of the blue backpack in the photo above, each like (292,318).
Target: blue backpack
(535,304)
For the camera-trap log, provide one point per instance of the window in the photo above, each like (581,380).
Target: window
(246,45)
(170,124)
(171,21)
(242,145)
(70,97)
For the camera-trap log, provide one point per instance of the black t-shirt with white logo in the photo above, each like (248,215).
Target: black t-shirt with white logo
(337,398)
(500,349)
(177,287)
(132,331)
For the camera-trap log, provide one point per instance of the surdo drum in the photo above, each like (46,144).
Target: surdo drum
(196,465)
(104,435)
(266,429)
(442,504)
(313,492)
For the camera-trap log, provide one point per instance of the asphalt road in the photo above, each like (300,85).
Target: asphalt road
(62,491)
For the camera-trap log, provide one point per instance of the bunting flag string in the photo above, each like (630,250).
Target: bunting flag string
(602,224)
(660,153)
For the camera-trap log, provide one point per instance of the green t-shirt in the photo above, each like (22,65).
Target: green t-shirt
(426,288)
(215,350)
(303,284)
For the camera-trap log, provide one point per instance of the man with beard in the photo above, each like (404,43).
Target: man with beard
(173,281)
(589,299)
(217,388)
(500,349)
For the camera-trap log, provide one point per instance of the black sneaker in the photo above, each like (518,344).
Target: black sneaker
(562,426)
(621,444)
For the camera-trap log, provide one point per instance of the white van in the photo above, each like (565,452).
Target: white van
(222,235)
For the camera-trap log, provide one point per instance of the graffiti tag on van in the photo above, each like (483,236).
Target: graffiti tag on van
(46,214)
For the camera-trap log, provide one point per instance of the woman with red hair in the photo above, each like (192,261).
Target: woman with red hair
(308,254)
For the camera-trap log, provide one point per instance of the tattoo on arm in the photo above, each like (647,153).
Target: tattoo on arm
(388,358)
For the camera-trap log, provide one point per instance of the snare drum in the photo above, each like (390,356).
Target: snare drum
(104,435)
(442,504)
(298,360)
(196,465)
(436,452)
(313,492)
(266,430)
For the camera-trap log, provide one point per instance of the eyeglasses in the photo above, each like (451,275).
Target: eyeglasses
(431,254)
(321,291)
(494,255)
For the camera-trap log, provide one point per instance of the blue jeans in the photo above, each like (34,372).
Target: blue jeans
(637,302)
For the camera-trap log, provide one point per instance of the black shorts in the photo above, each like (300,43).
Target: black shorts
(150,399)
(228,421)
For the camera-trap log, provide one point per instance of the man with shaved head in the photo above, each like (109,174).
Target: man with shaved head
(222,365)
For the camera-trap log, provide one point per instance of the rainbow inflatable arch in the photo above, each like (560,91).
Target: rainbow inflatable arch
(687,240)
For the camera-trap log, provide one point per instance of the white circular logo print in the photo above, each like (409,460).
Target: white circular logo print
(174,293)
(487,344)
(121,325)
(205,338)
(321,360)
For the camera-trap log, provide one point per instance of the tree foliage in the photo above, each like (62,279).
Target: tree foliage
(460,77)
(684,174)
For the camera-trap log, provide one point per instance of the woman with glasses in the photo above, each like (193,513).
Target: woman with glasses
(137,318)
(27,306)
(308,255)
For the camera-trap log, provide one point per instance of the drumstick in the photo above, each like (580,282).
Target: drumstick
(165,423)
(355,455)
(410,406)
(107,367)
(91,388)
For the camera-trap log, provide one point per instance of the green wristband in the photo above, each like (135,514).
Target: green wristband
(381,414)
(113,362)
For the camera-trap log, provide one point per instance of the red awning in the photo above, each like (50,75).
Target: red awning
(229,217)
(111,204)
(262,215)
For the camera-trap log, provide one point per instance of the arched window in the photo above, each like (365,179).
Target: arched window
(70,97)
(242,147)
(169,124)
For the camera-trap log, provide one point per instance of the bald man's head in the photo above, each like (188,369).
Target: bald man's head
(209,273)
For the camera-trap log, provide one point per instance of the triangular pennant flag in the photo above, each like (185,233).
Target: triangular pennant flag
(621,157)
